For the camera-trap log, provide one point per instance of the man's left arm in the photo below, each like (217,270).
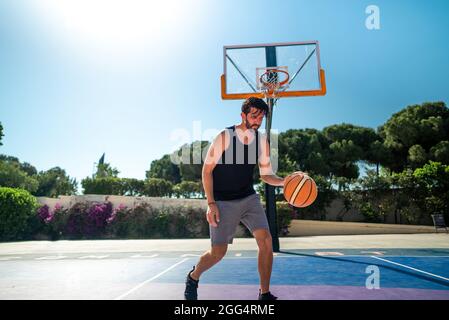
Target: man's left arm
(265,169)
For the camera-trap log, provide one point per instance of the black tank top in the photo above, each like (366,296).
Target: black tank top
(233,174)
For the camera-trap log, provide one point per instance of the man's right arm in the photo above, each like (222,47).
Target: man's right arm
(213,156)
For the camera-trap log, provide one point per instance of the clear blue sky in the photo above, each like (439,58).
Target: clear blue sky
(79,78)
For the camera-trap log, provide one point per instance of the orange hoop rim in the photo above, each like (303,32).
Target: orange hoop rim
(272,86)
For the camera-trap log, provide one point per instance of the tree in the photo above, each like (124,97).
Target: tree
(132,187)
(417,156)
(360,136)
(434,179)
(55,182)
(165,169)
(26,167)
(191,170)
(440,152)
(344,155)
(104,170)
(372,197)
(425,125)
(188,189)
(106,185)
(1,134)
(376,154)
(12,176)
(155,187)
(305,150)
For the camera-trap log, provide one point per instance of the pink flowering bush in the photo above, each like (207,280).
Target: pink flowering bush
(103,221)
(44,214)
(96,220)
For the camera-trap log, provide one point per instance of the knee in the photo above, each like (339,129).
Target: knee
(265,243)
(218,254)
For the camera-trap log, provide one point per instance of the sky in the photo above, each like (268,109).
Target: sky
(136,79)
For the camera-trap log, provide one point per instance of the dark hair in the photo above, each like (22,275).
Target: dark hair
(254,102)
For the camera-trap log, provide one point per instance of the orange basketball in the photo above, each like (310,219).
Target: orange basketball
(300,190)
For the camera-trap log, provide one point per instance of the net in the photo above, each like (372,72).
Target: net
(271,80)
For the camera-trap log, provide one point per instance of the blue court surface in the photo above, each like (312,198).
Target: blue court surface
(331,274)
(346,274)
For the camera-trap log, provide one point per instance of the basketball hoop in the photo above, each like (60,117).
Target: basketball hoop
(271,80)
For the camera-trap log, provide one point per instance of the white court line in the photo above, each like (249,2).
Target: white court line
(10,258)
(329,253)
(416,256)
(308,255)
(414,269)
(143,256)
(93,257)
(377,253)
(149,280)
(190,255)
(51,258)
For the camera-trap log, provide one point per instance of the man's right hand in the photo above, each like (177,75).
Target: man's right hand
(213,215)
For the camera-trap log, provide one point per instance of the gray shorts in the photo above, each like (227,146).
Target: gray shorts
(248,210)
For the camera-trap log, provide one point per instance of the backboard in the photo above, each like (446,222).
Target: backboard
(246,65)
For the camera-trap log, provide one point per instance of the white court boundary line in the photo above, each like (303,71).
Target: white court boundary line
(307,255)
(149,280)
(408,267)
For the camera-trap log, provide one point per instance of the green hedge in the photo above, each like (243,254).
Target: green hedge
(17,214)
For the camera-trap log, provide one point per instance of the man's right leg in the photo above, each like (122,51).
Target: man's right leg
(209,259)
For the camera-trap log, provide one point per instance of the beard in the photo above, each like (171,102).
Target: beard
(251,126)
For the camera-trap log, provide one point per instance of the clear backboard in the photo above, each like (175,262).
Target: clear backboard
(272,70)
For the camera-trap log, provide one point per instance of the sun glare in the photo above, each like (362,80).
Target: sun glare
(118,26)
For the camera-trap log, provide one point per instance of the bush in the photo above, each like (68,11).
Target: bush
(155,187)
(370,213)
(142,221)
(286,212)
(194,221)
(118,222)
(433,179)
(188,189)
(100,220)
(17,212)
(75,221)
(51,222)
(96,219)
(87,221)
(107,185)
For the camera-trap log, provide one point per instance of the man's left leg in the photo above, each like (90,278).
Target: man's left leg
(265,258)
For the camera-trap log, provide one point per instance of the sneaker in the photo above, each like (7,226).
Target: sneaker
(266,296)
(191,287)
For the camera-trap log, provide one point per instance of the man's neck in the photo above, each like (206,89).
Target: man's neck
(241,127)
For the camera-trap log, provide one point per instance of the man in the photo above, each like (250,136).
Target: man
(228,183)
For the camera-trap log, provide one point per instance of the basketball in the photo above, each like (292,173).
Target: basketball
(300,190)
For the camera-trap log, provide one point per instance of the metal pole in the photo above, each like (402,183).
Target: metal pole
(270,197)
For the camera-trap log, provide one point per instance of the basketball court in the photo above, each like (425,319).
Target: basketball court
(374,267)
(355,267)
